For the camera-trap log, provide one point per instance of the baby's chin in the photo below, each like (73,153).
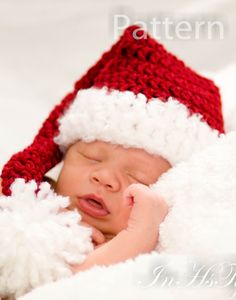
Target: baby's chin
(102,224)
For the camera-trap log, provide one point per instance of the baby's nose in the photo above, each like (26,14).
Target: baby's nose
(107,179)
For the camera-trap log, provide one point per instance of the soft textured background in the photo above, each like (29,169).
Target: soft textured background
(46,45)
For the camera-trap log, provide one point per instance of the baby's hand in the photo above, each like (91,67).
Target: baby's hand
(140,236)
(98,237)
(148,212)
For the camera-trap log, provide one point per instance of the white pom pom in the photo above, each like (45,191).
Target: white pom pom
(38,240)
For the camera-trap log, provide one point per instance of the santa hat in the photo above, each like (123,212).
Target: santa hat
(137,95)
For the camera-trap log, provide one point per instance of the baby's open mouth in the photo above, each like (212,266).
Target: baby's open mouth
(92,205)
(95,203)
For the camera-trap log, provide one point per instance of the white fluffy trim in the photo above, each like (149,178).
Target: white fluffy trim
(164,128)
(38,240)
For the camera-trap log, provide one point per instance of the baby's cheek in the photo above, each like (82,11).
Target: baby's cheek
(120,221)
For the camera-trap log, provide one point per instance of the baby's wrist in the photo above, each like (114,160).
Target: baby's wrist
(141,240)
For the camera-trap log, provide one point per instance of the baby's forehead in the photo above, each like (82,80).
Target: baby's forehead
(108,146)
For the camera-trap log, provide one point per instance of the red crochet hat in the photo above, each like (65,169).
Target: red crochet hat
(136,95)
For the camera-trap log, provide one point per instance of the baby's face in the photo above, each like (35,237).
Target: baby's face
(95,175)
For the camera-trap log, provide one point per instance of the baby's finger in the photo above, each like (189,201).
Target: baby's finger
(134,193)
(97,235)
(130,193)
(147,206)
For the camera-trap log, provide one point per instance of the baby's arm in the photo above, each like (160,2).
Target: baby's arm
(141,235)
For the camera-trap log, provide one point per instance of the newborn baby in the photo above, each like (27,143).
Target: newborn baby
(108,184)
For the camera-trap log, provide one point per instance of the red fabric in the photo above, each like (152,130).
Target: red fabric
(138,65)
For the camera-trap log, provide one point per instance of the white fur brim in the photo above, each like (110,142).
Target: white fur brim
(163,128)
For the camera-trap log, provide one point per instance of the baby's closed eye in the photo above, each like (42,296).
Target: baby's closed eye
(137,178)
(91,157)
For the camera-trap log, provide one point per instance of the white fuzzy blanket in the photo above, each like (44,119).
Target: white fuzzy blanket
(198,233)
